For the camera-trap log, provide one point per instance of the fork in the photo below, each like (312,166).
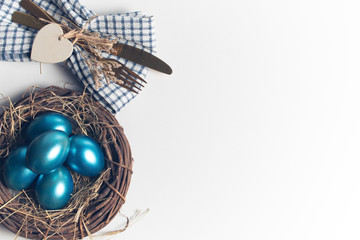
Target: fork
(130,80)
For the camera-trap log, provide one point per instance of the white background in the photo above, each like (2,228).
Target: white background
(256,134)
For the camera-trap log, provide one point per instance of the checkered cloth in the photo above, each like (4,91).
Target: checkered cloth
(133,29)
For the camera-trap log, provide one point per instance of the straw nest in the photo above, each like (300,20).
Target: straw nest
(95,201)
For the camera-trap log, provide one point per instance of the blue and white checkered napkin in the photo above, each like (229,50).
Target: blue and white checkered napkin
(133,29)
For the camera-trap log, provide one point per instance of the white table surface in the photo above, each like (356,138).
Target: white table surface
(256,134)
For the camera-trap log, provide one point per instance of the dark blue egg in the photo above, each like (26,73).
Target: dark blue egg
(85,156)
(48,151)
(47,122)
(53,190)
(17,175)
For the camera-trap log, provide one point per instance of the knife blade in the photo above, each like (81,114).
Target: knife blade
(141,57)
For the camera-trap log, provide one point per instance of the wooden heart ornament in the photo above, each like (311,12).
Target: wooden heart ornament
(48,47)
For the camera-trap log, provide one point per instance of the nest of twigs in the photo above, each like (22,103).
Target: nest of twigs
(95,201)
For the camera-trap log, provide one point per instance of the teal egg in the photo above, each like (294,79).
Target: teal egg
(85,156)
(47,122)
(48,151)
(53,190)
(17,175)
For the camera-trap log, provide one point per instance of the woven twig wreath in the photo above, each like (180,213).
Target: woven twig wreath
(95,201)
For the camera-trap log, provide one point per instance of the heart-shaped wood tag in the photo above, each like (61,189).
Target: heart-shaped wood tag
(48,47)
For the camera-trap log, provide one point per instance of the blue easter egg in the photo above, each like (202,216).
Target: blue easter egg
(47,122)
(85,156)
(53,190)
(48,151)
(17,175)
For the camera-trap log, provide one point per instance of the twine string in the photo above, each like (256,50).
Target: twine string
(83,38)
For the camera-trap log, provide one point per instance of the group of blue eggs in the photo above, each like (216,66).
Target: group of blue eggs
(51,147)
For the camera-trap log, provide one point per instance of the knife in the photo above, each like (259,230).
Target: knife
(125,51)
